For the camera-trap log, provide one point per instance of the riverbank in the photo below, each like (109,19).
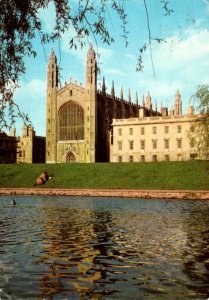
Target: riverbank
(182,175)
(120,193)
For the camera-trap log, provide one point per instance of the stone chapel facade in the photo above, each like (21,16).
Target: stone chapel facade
(79,118)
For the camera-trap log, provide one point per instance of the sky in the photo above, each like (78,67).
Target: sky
(180,62)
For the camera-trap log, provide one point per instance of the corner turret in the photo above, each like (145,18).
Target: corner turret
(177,104)
(148,101)
(90,124)
(91,67)
(51,109)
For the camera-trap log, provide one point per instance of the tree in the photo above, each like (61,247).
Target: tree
(201,126)
(20,24)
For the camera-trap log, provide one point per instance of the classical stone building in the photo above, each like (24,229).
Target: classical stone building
(30,148)
(78,118)
(170,136)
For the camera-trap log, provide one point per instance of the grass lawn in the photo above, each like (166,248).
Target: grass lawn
(156,175)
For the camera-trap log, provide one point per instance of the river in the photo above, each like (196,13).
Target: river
(103,248)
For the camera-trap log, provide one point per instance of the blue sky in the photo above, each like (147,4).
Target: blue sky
(180,63)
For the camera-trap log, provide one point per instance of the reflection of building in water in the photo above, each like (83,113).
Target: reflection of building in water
(68,252)
(195,254)
(90,252)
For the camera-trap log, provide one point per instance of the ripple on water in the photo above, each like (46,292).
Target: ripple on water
(100,248)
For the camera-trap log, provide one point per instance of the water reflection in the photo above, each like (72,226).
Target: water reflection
(196,251)
(97,248)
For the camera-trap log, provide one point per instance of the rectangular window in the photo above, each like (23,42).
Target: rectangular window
(154,144)
(154,157)
(179,157)
(193,155)
(119,145)
(154,130)
(131,159)
(142,130)
(166,129)
(131,145)
(192,128)
(167,157)
(130,131)
(119,131)
(179,143)
(119,158)
(166,144)
(142,145)
(179,128)
(192,143)
(142,158)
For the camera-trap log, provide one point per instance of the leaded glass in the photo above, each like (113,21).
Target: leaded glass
(71,122)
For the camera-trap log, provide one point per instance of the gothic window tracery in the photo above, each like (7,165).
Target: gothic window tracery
(71,122)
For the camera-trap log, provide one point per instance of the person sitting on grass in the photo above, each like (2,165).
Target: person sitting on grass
(42,179)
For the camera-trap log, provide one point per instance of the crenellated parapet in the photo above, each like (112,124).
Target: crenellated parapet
(40,138)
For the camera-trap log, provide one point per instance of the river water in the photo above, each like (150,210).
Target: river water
(103,248)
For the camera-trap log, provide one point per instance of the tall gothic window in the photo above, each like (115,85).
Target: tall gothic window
(71,122)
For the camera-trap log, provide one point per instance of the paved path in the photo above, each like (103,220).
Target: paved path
(146,194)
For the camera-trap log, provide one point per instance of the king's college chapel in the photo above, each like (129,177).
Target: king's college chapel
(79,118)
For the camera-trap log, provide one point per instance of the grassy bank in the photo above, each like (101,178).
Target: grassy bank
(160,175)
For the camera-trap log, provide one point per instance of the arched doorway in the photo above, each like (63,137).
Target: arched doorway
(70,158)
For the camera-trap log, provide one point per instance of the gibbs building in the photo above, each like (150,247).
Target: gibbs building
(79,117)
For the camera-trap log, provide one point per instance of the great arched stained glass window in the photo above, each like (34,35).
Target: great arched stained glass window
(71,122)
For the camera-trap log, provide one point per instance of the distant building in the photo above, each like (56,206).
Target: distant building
(30,148)
(78,119)
(160,138)
(8,148)
(87,125)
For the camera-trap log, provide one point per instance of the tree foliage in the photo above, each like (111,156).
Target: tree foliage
(20,23)
(201,127)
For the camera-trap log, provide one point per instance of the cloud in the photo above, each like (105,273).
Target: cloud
(178,52)
(130,56)
(31,99)
(103,54)
(181,62)
(207,5)
(112,71)
(79,52)
(162,91)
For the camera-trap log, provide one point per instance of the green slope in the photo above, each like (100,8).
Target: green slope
(157,175)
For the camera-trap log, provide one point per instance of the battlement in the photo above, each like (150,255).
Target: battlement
(157,119)
(40,138)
